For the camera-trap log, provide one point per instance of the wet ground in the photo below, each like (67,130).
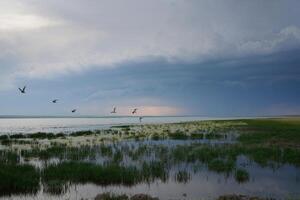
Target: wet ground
(178,173)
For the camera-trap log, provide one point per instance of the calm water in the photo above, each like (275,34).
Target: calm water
(56,125)
(279,183)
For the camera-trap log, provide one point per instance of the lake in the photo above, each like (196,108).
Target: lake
(10,125)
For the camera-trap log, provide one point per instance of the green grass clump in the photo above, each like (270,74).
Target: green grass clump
(280,132)
(61,152)
(18,179)
(157,136)
(195,136)
(4,137)
(221,166)
(56,177)
(106,150)
(9,157)
(154,170)
(79,172)
(6,142)
(178,135)
(241,175)
(212,136)
(182,176)
(55,187)
(82,133)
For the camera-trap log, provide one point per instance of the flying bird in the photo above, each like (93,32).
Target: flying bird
(114,110)
(134,111)
(54,100)
(73,110)
(22,90)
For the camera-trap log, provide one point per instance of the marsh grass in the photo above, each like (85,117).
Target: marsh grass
(79,172)
(280,132)
(18,179)
(267,143)
(221,166)
(55,187)
(9,157)
(213,136)
(182,176)
(154,170)
(178,135)
(56,177)
(241,175)
(195,136)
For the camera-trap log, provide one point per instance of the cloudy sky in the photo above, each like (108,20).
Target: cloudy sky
(166,57)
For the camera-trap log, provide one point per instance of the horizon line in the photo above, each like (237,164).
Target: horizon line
(123,116)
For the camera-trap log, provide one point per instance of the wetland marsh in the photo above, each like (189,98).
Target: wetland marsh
(189,160)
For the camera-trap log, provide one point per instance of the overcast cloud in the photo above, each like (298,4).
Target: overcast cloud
(191,45)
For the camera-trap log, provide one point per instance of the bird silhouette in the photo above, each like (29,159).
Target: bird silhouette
(74,110)
(114,110)
(140,118)
(22,90)
(54,100)
(134,111)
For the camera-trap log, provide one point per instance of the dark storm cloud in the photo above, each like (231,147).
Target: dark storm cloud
(206,56)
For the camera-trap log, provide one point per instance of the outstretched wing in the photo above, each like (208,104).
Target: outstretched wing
(134,110)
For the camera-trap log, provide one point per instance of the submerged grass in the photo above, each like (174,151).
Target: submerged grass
(79,172)
(241,175)
(18,179)
(56,176)
(221,166)
(182,176)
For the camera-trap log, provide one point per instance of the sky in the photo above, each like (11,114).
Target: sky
(164,57)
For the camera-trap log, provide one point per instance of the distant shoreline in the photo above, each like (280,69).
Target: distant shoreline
(130,116)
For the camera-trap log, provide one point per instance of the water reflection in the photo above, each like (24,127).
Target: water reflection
(183,175)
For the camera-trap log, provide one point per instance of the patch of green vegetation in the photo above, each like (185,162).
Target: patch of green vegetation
(122,126)
(221,166)
(61,152)
(182,176)
(157,136)
(18,179)
(57,176)
(178,135)
(241,176)
(154,170)
(9,157)
(6,142)
(4,137)
(195,136)
(214,136)
(80,172)
(82,133)
(280,132)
